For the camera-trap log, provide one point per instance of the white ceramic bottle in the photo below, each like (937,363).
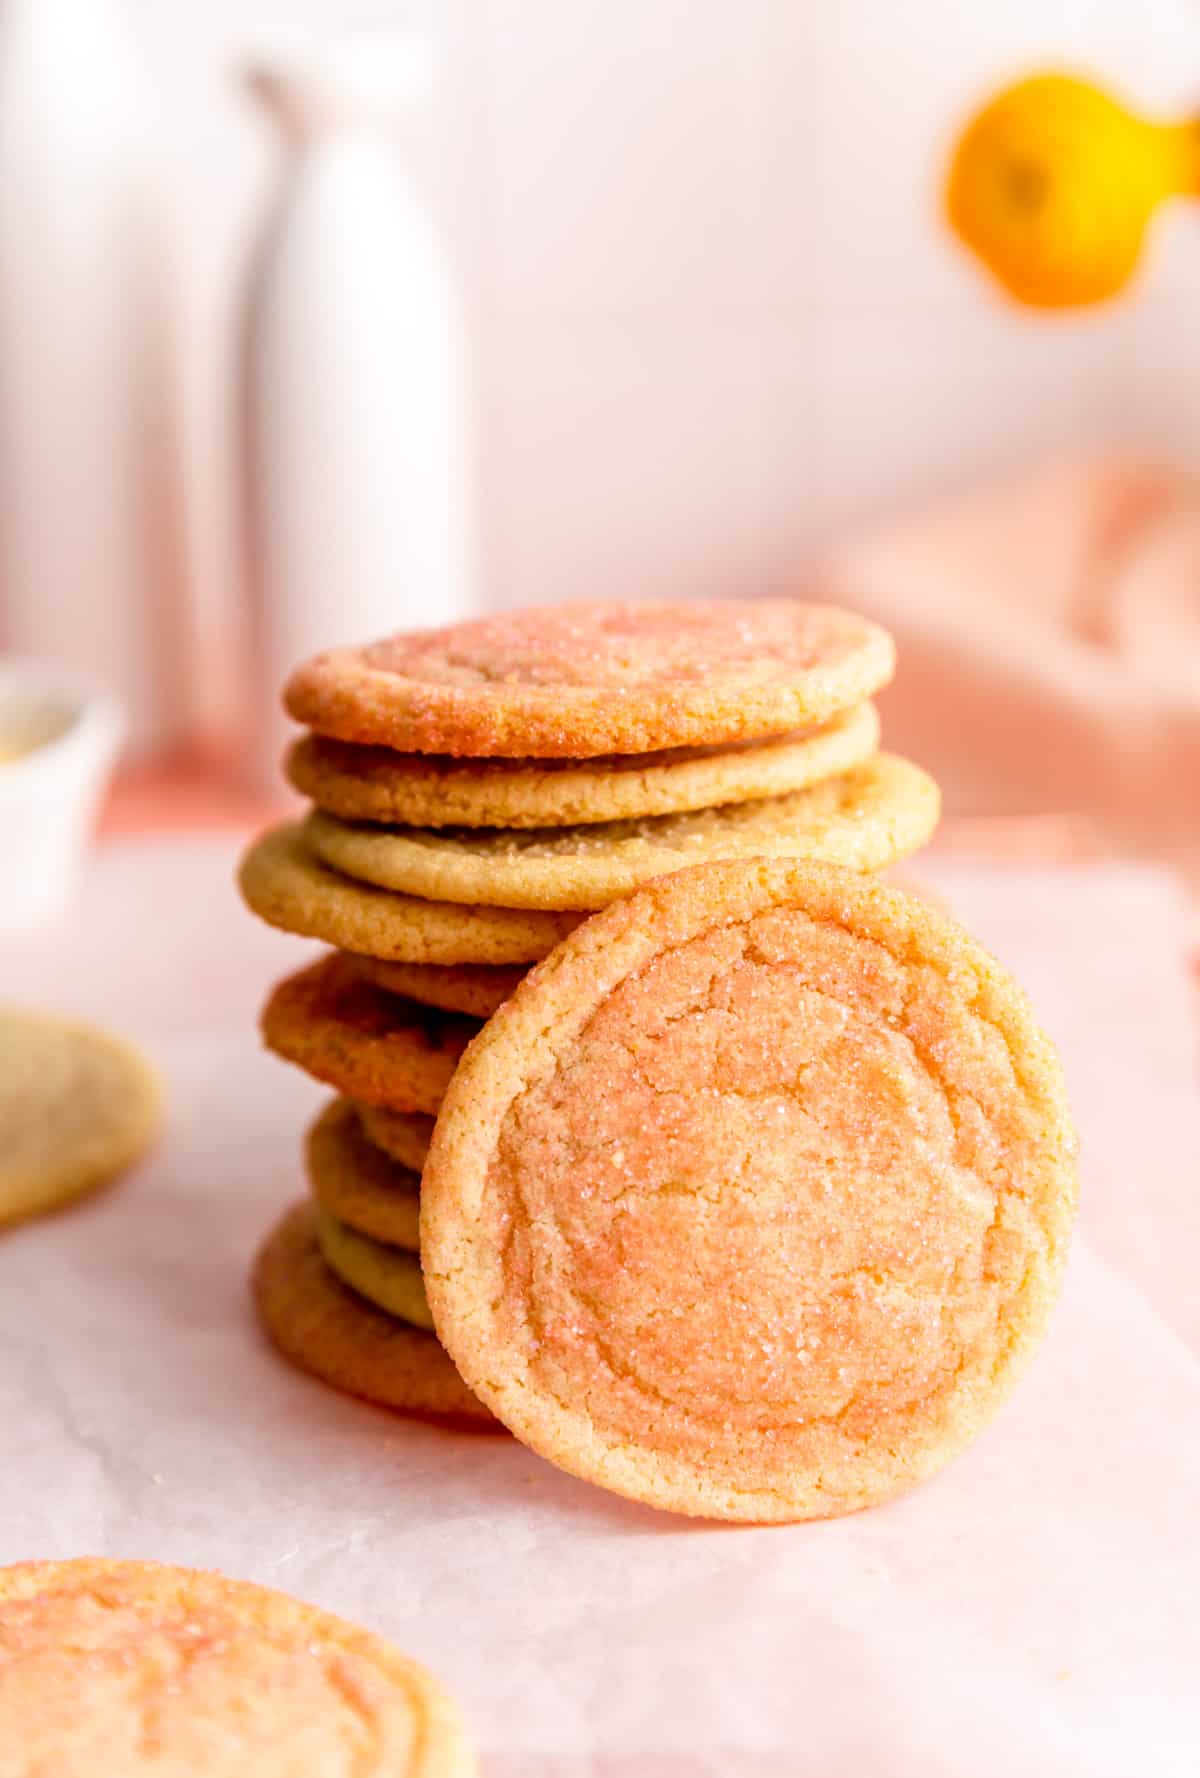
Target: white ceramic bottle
(358,437)
(86,514)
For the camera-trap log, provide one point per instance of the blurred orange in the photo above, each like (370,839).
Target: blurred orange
(1053,184)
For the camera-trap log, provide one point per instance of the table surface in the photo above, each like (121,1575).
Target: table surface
(1030,1610)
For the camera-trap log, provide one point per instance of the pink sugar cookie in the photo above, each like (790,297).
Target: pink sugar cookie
(109,1669)
(575,681)
(753,1200)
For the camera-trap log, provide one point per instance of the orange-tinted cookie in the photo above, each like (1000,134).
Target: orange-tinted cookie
(474,989)
(574,681)
(109,1669)
(334,1334)
(358,1183)
(753,1200)
(429,790)
(405,1135)
(370,1045)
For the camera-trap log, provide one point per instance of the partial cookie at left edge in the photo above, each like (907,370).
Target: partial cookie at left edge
(113,1668)
(77,1108)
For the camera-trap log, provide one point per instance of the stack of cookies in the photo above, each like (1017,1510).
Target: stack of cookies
(701,773)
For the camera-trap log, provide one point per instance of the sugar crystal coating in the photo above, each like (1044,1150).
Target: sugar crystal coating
(118,1667)
(754,1198)
(576,681)
(867,818)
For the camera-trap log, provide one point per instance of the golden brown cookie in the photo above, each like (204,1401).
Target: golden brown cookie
(334,1334)
(866,819)
(753,1201)
(77,1109)
(404,1135)
(575,681)
(369,1045)
(113,1668)
(358,1183)
(472,988)
(431,790)
(389,1277)
(287,887)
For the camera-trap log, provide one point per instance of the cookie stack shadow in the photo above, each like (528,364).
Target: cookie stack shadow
(456,835)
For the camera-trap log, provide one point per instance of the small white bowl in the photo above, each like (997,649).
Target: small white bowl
(58,743)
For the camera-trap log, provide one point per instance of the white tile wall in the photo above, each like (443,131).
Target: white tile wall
(717,317)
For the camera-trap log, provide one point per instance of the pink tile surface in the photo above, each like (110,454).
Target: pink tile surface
(1030,1611)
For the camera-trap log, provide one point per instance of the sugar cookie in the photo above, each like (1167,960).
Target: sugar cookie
(369,1045)
(389,1277)
(574,681)
(867,818)
(358,1183)
(113,1668)
(753,1201)
(430,790)
(335,1335)
(472,988)
(77,1108)
(404,1135)
(287,887)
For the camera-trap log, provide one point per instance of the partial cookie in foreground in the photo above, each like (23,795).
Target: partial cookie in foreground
(865,819)
(358,1182)
(109,1669)
(427,790)
(476,989)
(335,1335)
(404,1135)
(370,1045)
(575,681)
(753,1201)
(389,1277)
(78,1107)
(286,886)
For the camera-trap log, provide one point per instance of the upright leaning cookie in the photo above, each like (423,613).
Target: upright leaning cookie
(576,681)
(753,1200)
(113,1668)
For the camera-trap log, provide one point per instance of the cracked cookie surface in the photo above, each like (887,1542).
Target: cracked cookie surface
(753,1200)
(576,681)
(866,818)
(122,1667)
(427,790)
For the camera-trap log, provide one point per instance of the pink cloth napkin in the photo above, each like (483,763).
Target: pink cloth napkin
(1049,639)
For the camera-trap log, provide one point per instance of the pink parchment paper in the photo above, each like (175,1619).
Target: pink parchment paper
(1031,1613)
